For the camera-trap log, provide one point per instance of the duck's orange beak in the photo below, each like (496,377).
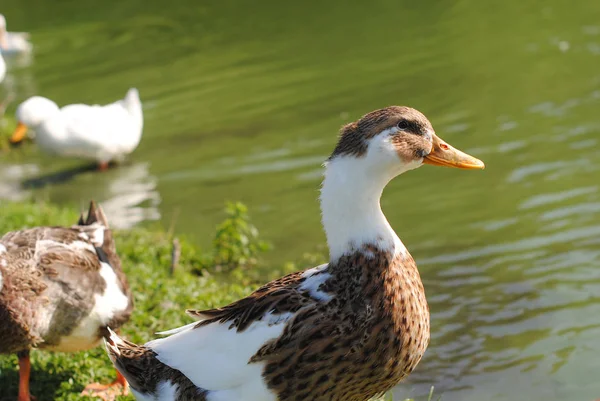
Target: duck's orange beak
(19,133)
(445,155)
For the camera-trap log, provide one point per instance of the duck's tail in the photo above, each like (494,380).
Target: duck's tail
(132,99)
(149,378)
(137,363)
(95,215)
(95,226)
(133,104)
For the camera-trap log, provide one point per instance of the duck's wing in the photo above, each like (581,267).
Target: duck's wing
(215,353)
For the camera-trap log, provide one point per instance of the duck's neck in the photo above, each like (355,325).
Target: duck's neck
(351,212)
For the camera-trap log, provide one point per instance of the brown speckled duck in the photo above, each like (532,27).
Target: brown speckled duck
(60,288)
(348,330)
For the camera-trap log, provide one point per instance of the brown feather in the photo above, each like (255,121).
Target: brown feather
(353,138)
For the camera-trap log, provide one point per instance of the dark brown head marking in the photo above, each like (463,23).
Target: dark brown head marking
(412,140)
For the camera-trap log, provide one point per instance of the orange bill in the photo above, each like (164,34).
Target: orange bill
(19,133)
(445,155)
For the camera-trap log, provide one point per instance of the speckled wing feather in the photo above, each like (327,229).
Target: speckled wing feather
(277,297)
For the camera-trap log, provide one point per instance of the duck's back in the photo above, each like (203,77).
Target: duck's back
(58,288)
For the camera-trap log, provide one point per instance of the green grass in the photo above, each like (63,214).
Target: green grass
(160,297)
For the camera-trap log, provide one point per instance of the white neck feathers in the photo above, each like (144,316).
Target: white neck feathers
(351,212)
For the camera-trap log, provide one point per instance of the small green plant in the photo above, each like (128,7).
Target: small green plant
(236,243)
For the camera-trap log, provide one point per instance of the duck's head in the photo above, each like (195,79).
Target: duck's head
(31,113)
(369,153)
(397,139)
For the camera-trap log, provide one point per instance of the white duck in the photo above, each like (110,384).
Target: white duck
(101,133)
(13,42)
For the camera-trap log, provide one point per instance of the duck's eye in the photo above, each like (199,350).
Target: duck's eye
(403,125)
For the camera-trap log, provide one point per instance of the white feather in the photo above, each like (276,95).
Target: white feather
(97,237)
(215,357)
(313,281)
(352,187)
(176,330)
(253,391)
(166,391)
(115,339)
(148,397)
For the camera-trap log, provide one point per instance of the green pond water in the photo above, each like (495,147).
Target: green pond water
(243,101)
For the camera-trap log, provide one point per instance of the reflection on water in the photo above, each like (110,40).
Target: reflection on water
(18,60)
(243,102)
(132,197)
(11,177)
(128,193)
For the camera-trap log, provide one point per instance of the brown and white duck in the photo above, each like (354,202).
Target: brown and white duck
(348,330)
(60,288)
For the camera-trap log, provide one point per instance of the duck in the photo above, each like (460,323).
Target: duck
(13,42)
(60,289)
(347,330)
(100,133)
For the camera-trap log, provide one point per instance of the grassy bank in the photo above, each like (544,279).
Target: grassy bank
(202,279)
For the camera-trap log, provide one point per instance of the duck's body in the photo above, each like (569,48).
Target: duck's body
(348,330)
(59,289)
(13,42)
(298,338)
(101,133)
